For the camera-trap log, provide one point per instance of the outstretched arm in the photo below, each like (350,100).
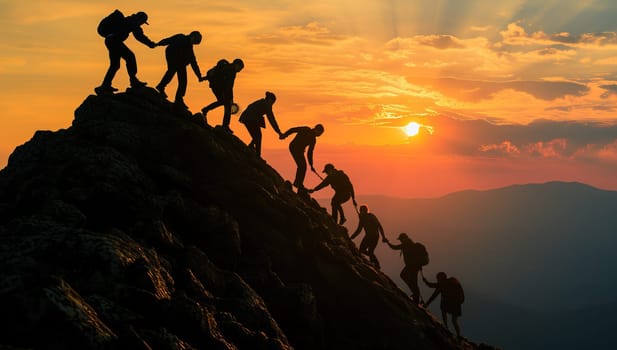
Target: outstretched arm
(309,155)
(195,66)
(435,294)
(166,41)
(138,33)
(273,122)
(394,246)
(429,283)
(358,230)
(380,229)
(323,184)
(291,131)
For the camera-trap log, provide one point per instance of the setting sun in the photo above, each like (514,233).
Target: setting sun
(412,129)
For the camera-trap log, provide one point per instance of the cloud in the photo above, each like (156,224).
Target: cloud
(473,90)
(541,138)
(440,41)
(310,33)
(550,149)
(516,35)
(506,148)
(610,90)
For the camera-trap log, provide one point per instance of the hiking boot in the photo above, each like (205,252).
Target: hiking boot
(135,83)
(102,90)
(161,90)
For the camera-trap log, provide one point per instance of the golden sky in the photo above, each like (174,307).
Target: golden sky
(507,92)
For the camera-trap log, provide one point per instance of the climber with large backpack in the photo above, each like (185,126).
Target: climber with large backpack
(115,28)
(452,297)
(415,257)
(222,78)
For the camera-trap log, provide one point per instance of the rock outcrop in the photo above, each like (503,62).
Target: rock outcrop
(142,228)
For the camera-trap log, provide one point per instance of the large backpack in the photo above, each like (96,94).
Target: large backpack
(415,254)
(455,291)
(340,182)
(420,254)
(215,74)
(110,24)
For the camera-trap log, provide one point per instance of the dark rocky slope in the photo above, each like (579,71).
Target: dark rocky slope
(139,228)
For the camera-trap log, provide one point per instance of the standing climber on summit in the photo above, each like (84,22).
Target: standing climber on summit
(116,28)
(179,53)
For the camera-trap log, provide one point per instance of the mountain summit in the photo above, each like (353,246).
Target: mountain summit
(141,228)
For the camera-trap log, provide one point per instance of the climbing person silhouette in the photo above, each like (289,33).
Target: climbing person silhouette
(452,297)
(343,190)
(178,54)
(253,119)
(222,78)
(372,227)
(414,255)
(116,28)
(305,137)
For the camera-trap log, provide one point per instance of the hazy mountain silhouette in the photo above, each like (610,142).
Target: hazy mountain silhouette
(139,228)
(542,255)
(516,328)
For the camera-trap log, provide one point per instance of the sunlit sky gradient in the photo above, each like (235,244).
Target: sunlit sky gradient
(510,91)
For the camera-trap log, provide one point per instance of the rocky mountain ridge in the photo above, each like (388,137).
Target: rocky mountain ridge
(139,227)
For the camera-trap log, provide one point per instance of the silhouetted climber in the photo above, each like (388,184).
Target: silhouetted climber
(116,28)
(253,119)
(222,78)
(415,256)
(372,227)
(452,297)
(179,53)
(305,137)
(343,190)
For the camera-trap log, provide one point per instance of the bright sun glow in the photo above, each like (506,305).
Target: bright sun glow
(412,129)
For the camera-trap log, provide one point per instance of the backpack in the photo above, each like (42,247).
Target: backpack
(455,291)
(110,24)
(420,254)
(340,182)
(215,74)
(415,254)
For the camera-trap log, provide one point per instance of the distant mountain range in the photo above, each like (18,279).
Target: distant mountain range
(547,247)
(534,256)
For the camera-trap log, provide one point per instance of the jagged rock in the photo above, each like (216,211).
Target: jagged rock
(141,227)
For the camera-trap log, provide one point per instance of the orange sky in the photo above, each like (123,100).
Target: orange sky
(511,91)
